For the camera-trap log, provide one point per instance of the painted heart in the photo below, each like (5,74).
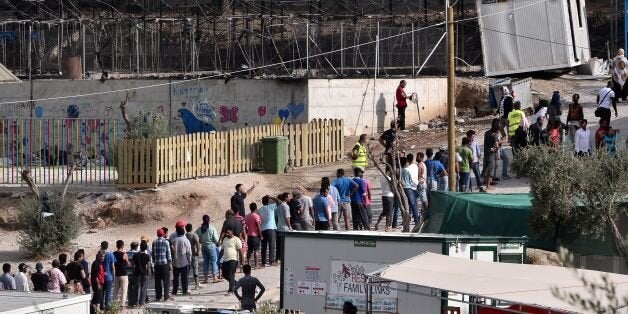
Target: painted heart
(261,111)
(284,114)
(295,109)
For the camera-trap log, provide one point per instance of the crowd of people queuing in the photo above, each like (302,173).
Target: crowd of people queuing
(121,276)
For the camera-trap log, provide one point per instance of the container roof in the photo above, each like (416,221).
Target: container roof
(7,76)
(513,283)
(26,302)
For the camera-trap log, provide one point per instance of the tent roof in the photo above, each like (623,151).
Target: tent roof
(514,283)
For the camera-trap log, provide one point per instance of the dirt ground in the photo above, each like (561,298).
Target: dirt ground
(127,215)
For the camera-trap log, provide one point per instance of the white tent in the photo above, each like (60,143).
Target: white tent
(529,285)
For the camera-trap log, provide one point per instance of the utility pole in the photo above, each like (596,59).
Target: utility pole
(451,99)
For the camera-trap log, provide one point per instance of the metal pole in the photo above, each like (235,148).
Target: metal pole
(192,44)
(375,81)
(137,49)
(412,34)
(625,24)
(451,99)
(83,43)
(30,71)
(307,49)
(342,49)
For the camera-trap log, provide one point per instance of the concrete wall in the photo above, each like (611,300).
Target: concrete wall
(213,104)
(207,105)
(354,100)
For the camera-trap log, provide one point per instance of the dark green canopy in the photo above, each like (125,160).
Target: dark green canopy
(503,215)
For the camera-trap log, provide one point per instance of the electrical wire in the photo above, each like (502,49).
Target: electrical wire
(355,46)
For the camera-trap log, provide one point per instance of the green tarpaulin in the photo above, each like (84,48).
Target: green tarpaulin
(502,215)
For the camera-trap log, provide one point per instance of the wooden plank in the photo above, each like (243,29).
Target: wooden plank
(129,161)
(305,144)
(141,149)
(121,164)
(212,154)
(156,162)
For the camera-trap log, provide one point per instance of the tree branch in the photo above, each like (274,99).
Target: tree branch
(123,108)
(26,177)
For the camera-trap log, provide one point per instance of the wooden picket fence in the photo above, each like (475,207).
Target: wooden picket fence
(148,163)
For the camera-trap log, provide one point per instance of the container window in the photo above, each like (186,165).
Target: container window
(579,9)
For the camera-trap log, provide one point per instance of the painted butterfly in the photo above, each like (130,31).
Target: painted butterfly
(228,114)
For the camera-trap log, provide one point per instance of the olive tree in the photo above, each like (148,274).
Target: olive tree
(576,194)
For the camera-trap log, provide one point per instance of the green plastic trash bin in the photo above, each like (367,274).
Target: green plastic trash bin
(275,153)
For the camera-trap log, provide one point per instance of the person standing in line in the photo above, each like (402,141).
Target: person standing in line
(269,229)
(248,284)
(517,128)
(413,169)
(388,200)
(283,220)
(605,97)
(110,270)
(141,271)
(599,133)
(368,200)
(237,200)
(231,250)
(75,273)
(322,210)
(554,134)
(465,166)
(195,244)
(387,140)
(121,283)
(85,264)
(402,104)
(253,234)
(358,212)
(181,259)
(477,156)
(610,140)
(406,181)
(538,134)
(582,140)
(63,261)
(208,237)
(129,272)
(283,213)
(231,222)
(162,261)
(97,278)
(57,278)
(574,116)
(295,212)
(490,153)
(359,155)
(40,279)
(334,200)
(346,187)
(440,173)
(421,190)
(21,281)
(307,212)
(6,279)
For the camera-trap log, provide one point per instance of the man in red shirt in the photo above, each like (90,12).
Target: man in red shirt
(402,104)
(253,233)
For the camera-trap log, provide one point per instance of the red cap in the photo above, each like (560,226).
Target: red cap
(160,232)
(180,224)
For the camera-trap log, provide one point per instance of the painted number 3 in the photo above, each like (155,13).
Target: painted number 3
(228,114)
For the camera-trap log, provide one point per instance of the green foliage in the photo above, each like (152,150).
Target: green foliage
(44,235)
(146,126)
(584,195)
(268,308)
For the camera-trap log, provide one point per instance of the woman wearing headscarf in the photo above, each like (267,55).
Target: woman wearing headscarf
(619,73)
(209,239)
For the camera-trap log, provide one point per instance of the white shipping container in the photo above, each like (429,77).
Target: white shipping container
(521,36)
(15,302)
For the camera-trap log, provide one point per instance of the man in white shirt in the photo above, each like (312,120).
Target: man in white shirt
(21,281)
(414,171)
(605,97)
(477,156)
(421,189)
(582,140)
(388,200)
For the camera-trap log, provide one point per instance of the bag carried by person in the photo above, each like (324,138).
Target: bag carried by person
(598,112)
